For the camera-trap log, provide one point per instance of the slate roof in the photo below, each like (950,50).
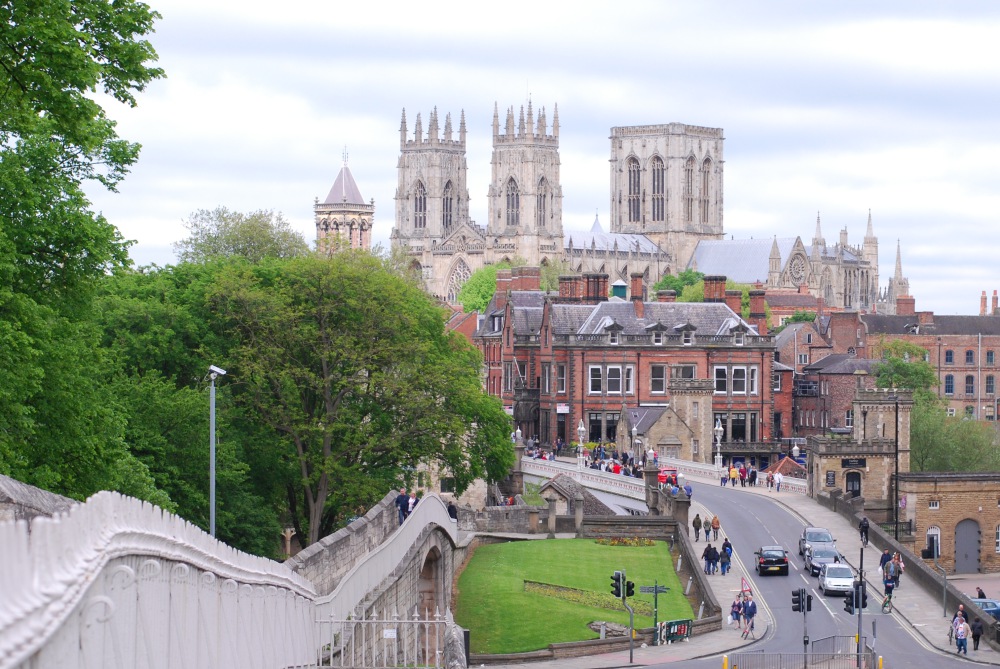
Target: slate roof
(942,325)
(569,487)
(708,317)
(804,301)
(344,186)
(643,418)
(747,260)
(788,467)
(597,239)
(840,363)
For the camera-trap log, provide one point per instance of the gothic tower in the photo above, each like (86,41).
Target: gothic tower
(525,195)
(432,205)
(344,216)
(666,183)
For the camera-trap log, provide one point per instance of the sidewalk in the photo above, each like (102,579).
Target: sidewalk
(914,606)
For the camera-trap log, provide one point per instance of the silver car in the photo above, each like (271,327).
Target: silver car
(838,578)
(820,555)
(814,537)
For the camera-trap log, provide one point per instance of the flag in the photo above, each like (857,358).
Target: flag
(745,585)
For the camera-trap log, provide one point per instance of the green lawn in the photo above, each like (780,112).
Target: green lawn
(504,618)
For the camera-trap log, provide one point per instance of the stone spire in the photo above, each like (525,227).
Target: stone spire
(496,119)
(402,130)
(432,126)
(461,127)
(555,120)
(774,264)
(531,118)
(541,123)
(520,123)
(818,235)
(447,127)
(899,264)
(510,121)
(418,130)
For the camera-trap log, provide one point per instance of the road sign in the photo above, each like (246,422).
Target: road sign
(653,589)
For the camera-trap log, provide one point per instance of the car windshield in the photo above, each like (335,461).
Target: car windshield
(773,553)
(820,537)
(824,553)
(839,572)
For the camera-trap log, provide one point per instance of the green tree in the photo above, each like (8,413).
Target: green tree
(679,282)
(353,368)
(551,273)
(476,293)
(224,233)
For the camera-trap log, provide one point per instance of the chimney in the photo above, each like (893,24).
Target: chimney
(906,305)
(925,317)
(803,289)
(531,278)
(715,288)
(734,300)
(982,304)
(637,295)
(820,306)
(758,312)
(596,288)
(666,296)
(994,310)
(566,285)
(503,285)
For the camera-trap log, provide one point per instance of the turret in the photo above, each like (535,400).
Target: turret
(402,130)
(555,120)
(461,127)
(496,120)
(774,264)
(531,119)
(418,131)
(432,127)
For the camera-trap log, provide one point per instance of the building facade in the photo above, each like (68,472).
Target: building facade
(343,219)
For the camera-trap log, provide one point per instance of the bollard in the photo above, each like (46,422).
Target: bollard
(687,590)
(678,563)
(725,662)
(701,609)
(604,630)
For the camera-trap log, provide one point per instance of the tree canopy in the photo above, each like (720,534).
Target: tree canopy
(679,282)
(221,233)
(476,293)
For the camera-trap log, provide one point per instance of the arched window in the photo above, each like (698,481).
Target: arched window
(634,189)
(420,206)
(513,203)
(970,357)
(447,203)
(949,357)
(659,189)
(706,172)
(542,204)
(934,541)
(970,384)
(689,190)
(949,384)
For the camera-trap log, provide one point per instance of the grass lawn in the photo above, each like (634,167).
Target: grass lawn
(505,618)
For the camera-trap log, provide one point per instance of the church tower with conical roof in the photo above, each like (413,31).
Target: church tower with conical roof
(525,195)
(343,219)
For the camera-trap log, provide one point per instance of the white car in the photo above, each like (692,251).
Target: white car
(835,577)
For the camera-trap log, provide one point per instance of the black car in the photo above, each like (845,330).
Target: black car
(771,560)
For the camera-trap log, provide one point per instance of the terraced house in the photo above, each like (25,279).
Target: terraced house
(589,357)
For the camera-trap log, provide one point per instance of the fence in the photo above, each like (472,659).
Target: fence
(386,641)
(836,652)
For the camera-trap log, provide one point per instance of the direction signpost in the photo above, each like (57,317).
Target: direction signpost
(654,590)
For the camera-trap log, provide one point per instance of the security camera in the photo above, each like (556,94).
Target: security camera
(217,370)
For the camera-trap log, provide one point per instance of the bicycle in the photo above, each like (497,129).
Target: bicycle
(864,539)
(887,603)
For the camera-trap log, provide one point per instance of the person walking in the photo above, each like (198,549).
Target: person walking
(733,475)
(770,481)
(402,504)
(715,528)
(725,558)
(696,524)
(979,593)
(778,478)
(977,632)
(743,476)
(752,476)
(736,611)
(749,613)
(706,555)
(897,563)
(961,636)
(715,561)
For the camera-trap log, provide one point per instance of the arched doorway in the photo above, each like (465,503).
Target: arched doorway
(429,604)
(967,547)
(852,484)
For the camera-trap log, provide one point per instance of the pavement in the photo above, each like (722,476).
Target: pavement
(914,606)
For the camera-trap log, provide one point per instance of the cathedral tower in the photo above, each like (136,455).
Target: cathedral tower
(432,205)
(525,195)
(344,215)
(666,183)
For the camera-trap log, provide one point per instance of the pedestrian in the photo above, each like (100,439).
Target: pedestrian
(726,546)
(402,504)
(753,477)
(715,528)
(884,559)
(725,557)
(770,481)
(452,510)
(749,612)
(736,611)
(411,504)
(715,561)
(977,631)
(979,593)
(725,477)
(743,476)
(961,635)
(733,475)
(778,478)
(898,567)
(688,490)
(706,555)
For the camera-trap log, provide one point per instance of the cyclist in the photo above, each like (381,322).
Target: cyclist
(863,530)
(887,584)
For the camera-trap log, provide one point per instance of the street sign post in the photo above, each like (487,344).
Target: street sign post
(655,591)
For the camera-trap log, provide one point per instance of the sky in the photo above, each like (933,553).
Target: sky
(832,109)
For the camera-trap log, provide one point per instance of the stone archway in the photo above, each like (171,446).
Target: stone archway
(429,595)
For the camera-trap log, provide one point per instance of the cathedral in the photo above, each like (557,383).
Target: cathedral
(666,213)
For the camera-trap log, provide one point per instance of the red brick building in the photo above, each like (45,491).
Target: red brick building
(557,360)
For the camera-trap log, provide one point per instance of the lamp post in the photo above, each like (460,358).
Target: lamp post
(635,434)
(581,431)
(717,431)
(213,373)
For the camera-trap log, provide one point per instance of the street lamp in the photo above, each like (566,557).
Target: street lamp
(213,373)
(895,483)
(635,434)
(718,446)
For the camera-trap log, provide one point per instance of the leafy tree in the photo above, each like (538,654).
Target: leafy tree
(801,317)
(476,293)
(679,282)
(352,367)
(904,365)
(224,233)
(551,273)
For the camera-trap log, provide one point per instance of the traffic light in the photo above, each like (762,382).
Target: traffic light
(809,602)
(863,597)
(629,589)
(616,584)
(797,600)
(849,603)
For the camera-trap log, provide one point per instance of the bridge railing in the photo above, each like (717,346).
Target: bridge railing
(595,479)
(120,583)
(708,471)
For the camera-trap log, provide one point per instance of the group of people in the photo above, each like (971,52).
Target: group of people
(749,476)
(891,568)
(405,504)
(742,612)
(962,629)
(718,560)
(709,526)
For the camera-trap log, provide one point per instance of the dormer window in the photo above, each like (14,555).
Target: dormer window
(658,338)
(738,338)
(497,323)
(613,337)
(687,338)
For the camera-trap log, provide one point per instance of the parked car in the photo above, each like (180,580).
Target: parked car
(814,536)
(989,606)
(771,560)
(838,578)
(818,556)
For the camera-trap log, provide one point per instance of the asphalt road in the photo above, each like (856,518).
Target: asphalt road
(750,521)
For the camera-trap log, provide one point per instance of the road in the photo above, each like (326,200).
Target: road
(750,521)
